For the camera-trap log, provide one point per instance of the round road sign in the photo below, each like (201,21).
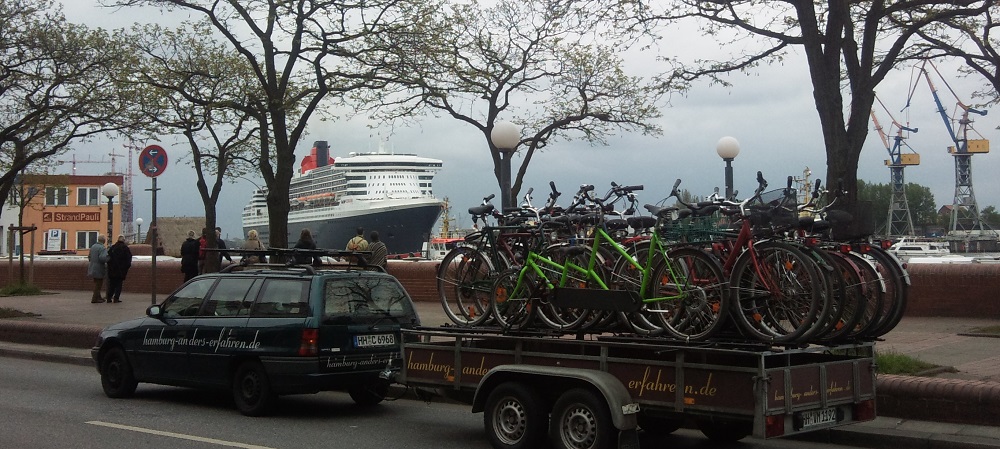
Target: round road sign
(153,161)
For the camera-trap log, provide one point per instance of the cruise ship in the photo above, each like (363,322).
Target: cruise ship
(388,192)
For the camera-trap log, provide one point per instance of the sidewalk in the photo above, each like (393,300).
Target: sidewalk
(942,341)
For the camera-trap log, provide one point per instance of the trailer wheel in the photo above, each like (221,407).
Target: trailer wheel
(581,420)
(658,425)
(725,431)
(514,417)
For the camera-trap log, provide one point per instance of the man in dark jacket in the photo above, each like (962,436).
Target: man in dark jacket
(223,254)
(119,262)
(189,256)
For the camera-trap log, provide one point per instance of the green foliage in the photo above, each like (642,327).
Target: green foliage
(892,362)
(923,210)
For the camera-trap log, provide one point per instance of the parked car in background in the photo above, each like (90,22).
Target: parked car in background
(261,331)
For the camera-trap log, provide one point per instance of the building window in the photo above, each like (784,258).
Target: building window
(56,196)
(86,239)
(88,196)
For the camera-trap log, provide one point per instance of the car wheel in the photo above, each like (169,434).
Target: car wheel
(116,374)
(252,390)
(369,394)
(581,420)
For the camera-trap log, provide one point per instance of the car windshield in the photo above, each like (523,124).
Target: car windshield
(348,299)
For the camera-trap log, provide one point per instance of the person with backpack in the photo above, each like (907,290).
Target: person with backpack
(358,242)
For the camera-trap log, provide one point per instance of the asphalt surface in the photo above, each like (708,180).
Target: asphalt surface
(951,342)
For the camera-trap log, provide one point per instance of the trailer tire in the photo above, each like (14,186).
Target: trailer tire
(581,420)
(725,431)
(514,417)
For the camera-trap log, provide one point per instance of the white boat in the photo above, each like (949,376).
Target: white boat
(391,193)
(908,247)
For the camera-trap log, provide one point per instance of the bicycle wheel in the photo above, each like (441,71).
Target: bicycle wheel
(567,318)
(512,302)
(775,291)
(832,293)
(851,303)
(628,276)
(464,280)
(872,290)
(896,290)
(691,294)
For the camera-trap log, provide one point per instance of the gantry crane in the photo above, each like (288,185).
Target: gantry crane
(73,161)
(899,222)
(964,212)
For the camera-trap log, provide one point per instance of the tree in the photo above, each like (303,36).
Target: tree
(202,90)
(300,54)
(972,41)
(849,47)
(919,199)
(57,86)
(991,217)
(534,63)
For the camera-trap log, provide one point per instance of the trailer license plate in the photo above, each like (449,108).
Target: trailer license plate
(374,340)
(818,417)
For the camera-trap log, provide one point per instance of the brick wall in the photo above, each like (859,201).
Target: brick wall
(71,274)
(959,290)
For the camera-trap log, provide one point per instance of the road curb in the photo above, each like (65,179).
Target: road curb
(21,330)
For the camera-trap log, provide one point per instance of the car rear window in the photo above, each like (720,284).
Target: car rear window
(363,297)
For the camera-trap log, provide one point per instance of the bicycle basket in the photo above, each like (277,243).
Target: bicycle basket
(689,229)
(777,208)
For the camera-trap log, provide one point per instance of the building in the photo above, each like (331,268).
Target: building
(68,212)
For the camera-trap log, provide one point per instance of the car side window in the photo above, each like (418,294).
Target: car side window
(282,298)
(187,301)
(229,298)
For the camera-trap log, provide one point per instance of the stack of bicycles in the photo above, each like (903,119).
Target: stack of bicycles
(763,269)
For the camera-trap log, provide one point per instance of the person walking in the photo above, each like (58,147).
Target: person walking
(358,242)
(253,243)
(189,256)
(378,250)
(119,261)
(306,242)
(223,254)
(97,269)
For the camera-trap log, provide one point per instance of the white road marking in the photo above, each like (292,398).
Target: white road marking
(178,435)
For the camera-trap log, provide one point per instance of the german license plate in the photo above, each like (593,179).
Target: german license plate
(814,418)
(374,340)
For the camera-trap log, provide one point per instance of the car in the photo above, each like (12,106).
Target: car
(265,330)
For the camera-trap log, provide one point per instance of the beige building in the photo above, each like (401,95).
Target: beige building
(67,211)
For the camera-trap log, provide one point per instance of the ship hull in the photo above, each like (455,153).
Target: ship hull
(404,226)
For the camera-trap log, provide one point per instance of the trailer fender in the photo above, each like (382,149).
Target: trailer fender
(623,408)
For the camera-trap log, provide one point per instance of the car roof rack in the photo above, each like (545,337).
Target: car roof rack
(337,259)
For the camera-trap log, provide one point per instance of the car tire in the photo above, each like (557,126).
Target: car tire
(581,420)
(117,378)
(252,390)
(367,395)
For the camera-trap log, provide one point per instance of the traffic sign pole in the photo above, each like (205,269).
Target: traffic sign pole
(152,163)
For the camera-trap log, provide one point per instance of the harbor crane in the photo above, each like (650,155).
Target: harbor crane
(965,219)
(899,222)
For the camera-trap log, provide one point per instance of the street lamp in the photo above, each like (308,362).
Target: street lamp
(110,190)
(505,137)
(138,232)
(728,148)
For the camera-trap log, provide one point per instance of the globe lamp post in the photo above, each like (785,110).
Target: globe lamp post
(505,136)
(110,190)
(138,231)
(728,148)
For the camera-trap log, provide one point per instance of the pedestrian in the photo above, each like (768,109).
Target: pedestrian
(119,261)
(358,242)
(253,243)
(189,256)
(223,254)
(202,246)
(98,267)
(306,242)
(378,250)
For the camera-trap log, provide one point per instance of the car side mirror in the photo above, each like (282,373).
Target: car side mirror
(154,311)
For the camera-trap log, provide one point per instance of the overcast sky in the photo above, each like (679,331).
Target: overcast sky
(770,112)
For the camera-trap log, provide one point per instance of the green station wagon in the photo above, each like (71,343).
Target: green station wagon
(264,331)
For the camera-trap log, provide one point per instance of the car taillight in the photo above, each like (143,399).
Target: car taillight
(774,426)
(308,346)
(864,410)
